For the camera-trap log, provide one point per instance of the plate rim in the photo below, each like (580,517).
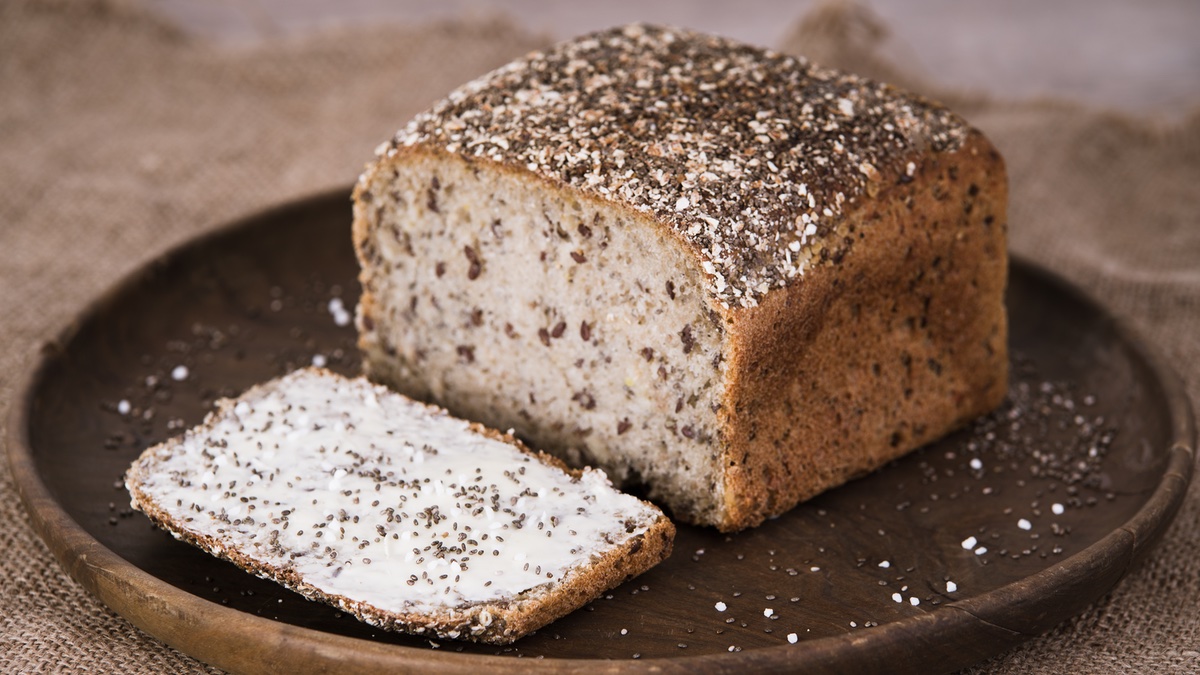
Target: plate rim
(188,622)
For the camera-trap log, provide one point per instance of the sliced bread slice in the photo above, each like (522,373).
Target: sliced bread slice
(394,511)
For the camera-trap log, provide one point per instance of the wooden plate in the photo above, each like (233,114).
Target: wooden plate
(937,561)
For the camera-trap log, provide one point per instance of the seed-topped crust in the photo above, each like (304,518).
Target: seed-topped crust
(847,241)
(751,156)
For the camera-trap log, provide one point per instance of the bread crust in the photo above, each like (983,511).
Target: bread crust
(839,373)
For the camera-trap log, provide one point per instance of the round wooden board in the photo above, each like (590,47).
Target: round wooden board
(950,555)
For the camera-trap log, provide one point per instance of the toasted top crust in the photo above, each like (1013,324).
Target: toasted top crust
(748,155)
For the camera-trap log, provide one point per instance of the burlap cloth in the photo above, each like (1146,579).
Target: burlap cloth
(120,136)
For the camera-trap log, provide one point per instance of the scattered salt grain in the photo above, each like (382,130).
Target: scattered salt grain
(318,360)
(914,601)
(793,638)
(768,612)
(885,564)
(969,543)
(1057,509)
(721,607)
(1024,524)
(897,597)
(179,374)
(124,407)
(976,463)
(337,308)
(951,587)
(981,550)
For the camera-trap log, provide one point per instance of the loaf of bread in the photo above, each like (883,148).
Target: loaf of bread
(729,275)
(395,512)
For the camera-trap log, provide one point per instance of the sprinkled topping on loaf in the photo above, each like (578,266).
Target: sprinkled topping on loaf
(726,275)
(749,155)
(394,511)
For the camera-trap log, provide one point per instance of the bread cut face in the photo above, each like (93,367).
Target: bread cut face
(394,511)
(581,326)
(729,276)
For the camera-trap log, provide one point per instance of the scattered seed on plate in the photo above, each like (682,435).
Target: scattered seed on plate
(337,308)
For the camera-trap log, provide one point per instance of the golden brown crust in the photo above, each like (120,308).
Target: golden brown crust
(900,341)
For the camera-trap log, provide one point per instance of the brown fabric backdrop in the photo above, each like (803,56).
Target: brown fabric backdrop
(120,137)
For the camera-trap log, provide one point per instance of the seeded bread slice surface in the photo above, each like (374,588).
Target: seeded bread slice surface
(395,512)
